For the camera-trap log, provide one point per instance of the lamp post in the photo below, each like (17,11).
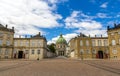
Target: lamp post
(38,54)
(81,53)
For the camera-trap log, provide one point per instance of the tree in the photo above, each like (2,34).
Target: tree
(52,47)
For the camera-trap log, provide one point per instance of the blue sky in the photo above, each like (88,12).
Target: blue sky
(52,17)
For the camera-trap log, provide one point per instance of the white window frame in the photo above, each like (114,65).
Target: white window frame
(81,42)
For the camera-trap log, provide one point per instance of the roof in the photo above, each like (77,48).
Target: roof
(6,29)
(115,27)
(61,40)
(1,25)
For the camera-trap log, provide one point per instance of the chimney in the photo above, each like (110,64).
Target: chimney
(31,36)
(25,36)
(89,35)
(108,27)
(95,35)
(115,25)
(6,26)
(39,34)
(19,36)
(101,35)
(12,28)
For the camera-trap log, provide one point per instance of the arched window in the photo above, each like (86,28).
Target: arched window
(81,43)
(113,42)
(6,52)
(87,43)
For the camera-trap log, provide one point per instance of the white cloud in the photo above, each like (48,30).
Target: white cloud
(104,5)
(93,32)
(26,15)
(67,38)
(85,25)
(102,15)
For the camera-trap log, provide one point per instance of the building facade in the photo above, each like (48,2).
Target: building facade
(30,48)
(34,47)
(6,42)
(114,41)
(61,45)
(86,47)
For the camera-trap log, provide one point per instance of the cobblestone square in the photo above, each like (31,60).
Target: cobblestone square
(60,67)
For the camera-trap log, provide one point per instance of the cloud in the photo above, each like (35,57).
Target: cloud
(29,15)
(84,24)
(102,15)
(104,5)
(66,36)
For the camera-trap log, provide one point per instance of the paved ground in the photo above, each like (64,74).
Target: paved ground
(60,67)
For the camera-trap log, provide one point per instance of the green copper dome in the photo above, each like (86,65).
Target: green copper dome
(61,40)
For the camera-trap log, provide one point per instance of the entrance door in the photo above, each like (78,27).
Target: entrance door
(100,54)
(20,54)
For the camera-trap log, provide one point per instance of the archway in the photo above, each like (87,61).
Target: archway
(20,54)
(100,54)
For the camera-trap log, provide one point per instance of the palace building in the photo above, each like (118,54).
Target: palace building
(114,41)
(30,48)
(86,47)
(6,42)
(34,47)
(61,45)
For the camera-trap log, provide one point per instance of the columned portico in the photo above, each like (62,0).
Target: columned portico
(61,53)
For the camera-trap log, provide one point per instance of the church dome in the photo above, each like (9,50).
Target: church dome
(61,40)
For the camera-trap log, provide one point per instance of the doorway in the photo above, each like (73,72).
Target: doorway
(20,54)
(100,54)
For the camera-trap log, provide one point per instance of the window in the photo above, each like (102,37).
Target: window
(87,43)
(81,51)
(8,42)
(33,43)
(27,43)
(8,35)
(32,52)
(112,33)
(6,52)
(105,42)
(119,32)
(93,43)
(15,43)
(1,34)
(0,51)
(0,42)
(113,42)
(81,43)
(87,51)
(21,43)
(99,43)
(94,51)
(119,41)
(114,51)
(15,52)
(38,52)
(39,43)
(26,51)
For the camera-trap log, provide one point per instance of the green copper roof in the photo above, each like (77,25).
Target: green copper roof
(61,40)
